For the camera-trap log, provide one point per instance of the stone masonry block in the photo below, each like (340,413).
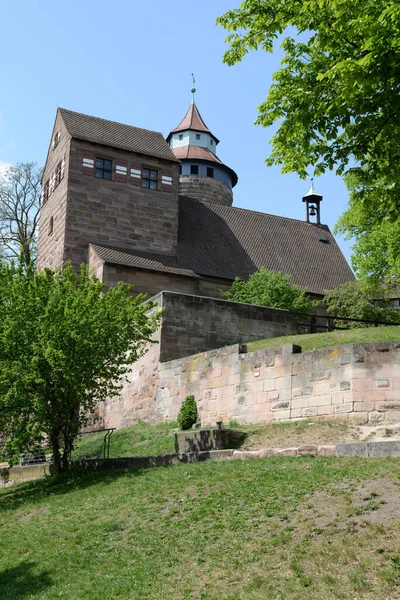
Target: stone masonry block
(310,411)
(326,450)
(269,385)
(363,385)
(392,395)
(282,415)
(375,417)
(283,383)
(345,385)
(280,406)
(273,396)
(392,416)
(296,413)
(320,400)
(325,410)
(364,406)
(389,405)
(358,418)
(383,383)
(344,408)
(337,398)
(299,402)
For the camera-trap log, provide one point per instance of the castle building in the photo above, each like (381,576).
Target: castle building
(157,213)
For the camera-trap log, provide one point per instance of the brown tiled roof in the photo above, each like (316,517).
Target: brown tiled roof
(192,120)
(196,153)
(141,260)
(117,135)
(225,242)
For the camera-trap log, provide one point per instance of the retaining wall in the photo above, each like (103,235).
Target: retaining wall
(359,382)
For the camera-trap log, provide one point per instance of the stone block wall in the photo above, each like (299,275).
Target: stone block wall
(194,324)
(206,189)
(358,382)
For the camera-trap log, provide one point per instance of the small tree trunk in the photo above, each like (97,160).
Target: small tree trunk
(55,445)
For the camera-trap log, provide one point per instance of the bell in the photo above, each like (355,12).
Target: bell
(313,212)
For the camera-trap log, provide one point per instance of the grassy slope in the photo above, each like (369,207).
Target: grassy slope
(240,530)
(316,341)
(141,439)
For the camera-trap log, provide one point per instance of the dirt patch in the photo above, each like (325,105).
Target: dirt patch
(299,433)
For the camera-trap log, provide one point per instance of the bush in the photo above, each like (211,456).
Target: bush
(363,299)
(188,413)
(270,288)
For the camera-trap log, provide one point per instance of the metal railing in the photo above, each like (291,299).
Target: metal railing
(330,322)
(104,451)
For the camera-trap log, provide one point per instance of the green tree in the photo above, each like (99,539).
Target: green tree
(335,100)
(65,345)
(367,300)
(270,288)
(187,415)
(19,211)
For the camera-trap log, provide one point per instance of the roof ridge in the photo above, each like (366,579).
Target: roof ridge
(321,225)
(109,121)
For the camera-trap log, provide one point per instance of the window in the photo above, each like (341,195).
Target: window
(149,179)
(210,172)
(103,168)
(198,136)
(194,169)
(181,136)
(211,142)
(59,174)
(51,226)
(180,169)
(56,140)
(46,191)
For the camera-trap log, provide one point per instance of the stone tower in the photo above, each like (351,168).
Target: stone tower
(203,175)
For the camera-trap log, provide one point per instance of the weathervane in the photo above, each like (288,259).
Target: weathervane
(193,89)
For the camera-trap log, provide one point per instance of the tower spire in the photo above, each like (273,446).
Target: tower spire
(193,89)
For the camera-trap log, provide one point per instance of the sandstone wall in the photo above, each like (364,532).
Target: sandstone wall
(359,382)
(206,189)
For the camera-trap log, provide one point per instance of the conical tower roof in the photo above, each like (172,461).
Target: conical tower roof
(193,121)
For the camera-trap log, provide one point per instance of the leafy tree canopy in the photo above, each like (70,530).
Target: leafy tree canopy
(65,344)
(367,300)
(336,101)
(270,288)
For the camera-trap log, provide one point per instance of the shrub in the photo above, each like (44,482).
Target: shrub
(188,413)
(270,288)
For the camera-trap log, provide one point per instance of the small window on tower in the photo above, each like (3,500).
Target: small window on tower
(198,136)
(210,172)
(46,192)
(181,136)
(211,142)
(56,140)
(149,179)
(103,168)
(194,169)
(51,225)
(180,169)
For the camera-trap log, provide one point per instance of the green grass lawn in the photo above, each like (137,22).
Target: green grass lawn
(140,439)
(315,341)
(281,529)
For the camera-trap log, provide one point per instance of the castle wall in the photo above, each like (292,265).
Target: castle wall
(356,382)
(51,242)
(151,282)
(118,212)
(194,324)
(206,189)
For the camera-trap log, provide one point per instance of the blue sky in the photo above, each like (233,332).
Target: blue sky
(131,62)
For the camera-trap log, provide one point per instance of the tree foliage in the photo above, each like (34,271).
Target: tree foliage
(19,211)
(336,102)
(367,300)
(270,288)
(65,344)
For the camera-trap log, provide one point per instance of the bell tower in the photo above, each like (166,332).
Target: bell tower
(202,174)
(313,200)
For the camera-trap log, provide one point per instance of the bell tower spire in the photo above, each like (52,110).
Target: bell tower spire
(193,88)
(313,200)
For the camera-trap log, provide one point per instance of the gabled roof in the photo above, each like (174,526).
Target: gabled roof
(227,242)
(117,135)
(142,260)
(192,120)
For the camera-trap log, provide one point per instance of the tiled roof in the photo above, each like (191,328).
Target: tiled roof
(192,120)
(196,153)
(117,135)
(141,260)
(225,242)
